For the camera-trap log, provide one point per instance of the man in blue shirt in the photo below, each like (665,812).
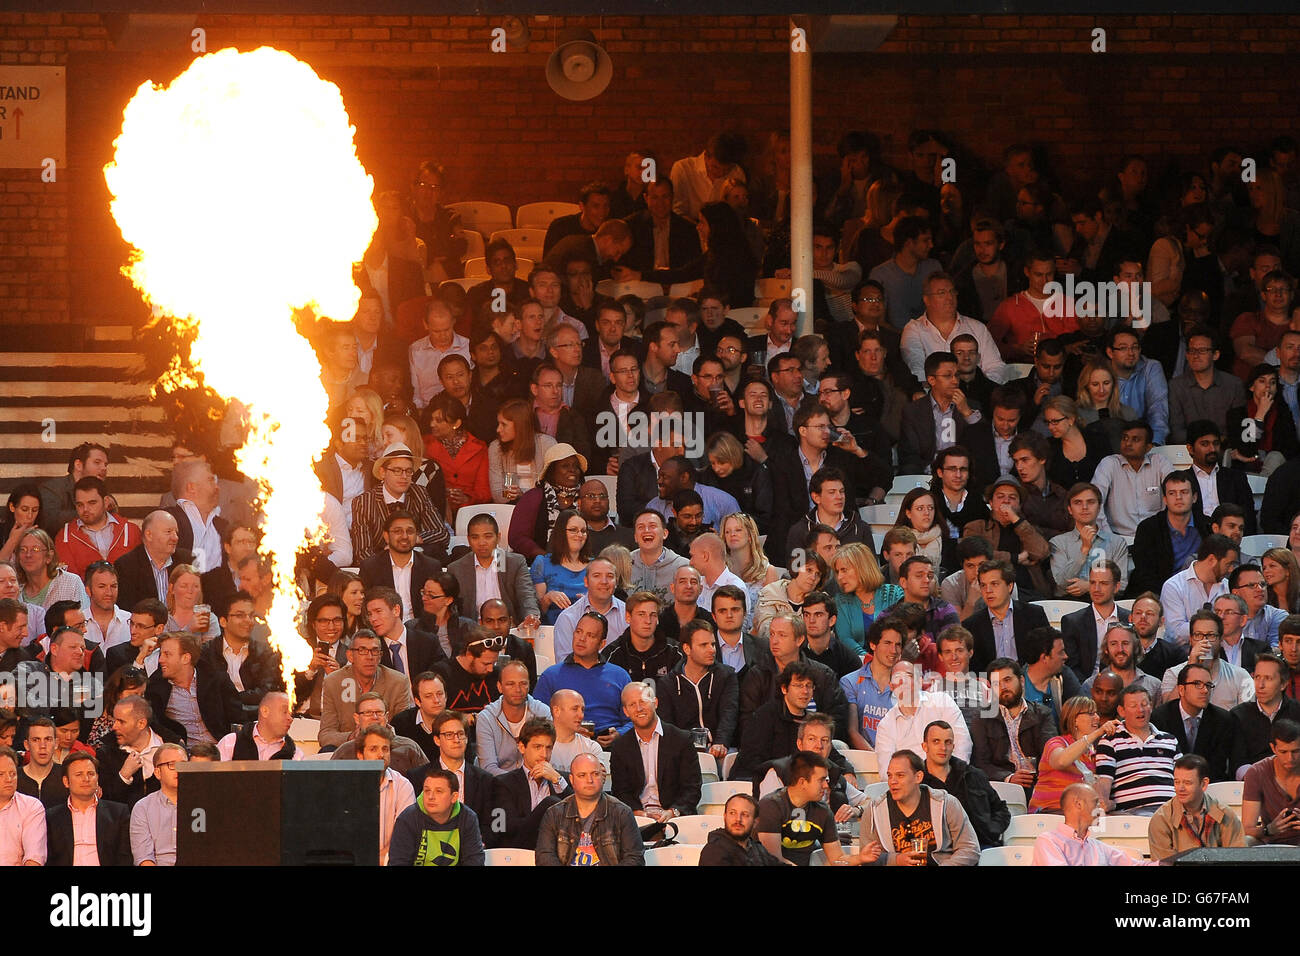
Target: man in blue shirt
(868,689)
(1142,384)
(599,683)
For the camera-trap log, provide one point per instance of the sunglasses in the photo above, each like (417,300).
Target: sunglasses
(490,643)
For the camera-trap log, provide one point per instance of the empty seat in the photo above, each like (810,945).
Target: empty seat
(1055,610)
(1016,370)
(751,319)
(680,290)
(714,796)
(474,245)
(1024,828)
(683,854)
(484,217)
(905,483)
(478,267)
(1227,792)
(1007,856)
(708,767)
(1255,545)
(772,288)
(525,242)
(1178,455)
(1013,795)
(511,857)
(695,827)
(541,214)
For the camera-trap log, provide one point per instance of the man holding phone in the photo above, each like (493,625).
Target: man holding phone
(1270,809)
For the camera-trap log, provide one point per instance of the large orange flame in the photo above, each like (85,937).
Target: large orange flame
(240,190)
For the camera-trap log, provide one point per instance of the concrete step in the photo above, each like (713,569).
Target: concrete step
(80,359)
(118,472)
(84,413)
(99,391)
(120,442)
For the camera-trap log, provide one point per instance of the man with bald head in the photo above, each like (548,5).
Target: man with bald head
(143,571)
(267,738)
(199,523)
(1070,844)
(1105,691)
(709,557)
(593,505)
(567,714)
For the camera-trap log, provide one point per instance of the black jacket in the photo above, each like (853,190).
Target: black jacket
(716,699)
(1233,489)
(135,580)
(770,734)
(761,684)
(664,655)
(218,588)
(219,705)
(678,776)
(51,791)
(989,814)
(259,673)
(185,531)
(1153,550)
(1162,656)
(1252,730)
(111,757)
(790,500)
(683,247)
(1280,496)
(1079,630)
(422,651)
(1250,651)
(839,766)
(979,441)
(723,850)
(514,796)
(992,747)
(407,724)
(377,571)
(480,792)
(1215,737)
(112,834)
(916,445)
(1024,618)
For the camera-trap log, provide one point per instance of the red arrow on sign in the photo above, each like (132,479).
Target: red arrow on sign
(18,126)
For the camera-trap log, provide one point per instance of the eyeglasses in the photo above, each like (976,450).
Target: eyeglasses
(239,615)
(424,185)
(454,735)
(32,551)
(567,345)
(1249,584)
(1199,351)
(1054,421)
(331,621)
(400,472)
(366,651)
(429,595)
(1200,684)
(169,763)
(596,496)
(873,299)
(373,714)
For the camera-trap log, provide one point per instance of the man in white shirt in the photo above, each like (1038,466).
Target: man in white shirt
(1198,585)
(684,316)
(934,330)
(1130,482)
(375,742)
(1085,544)
(427,352)
(197,494)
(567,710)
(601,580)
(1232,684)
(903,727)
(1070,844)
(709,557)
(698,180)
(108,625)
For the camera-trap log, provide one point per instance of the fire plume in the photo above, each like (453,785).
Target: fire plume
(239,188)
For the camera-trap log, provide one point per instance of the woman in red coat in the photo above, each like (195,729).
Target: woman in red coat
(463,458)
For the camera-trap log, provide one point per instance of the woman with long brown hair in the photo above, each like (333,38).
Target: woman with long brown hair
(515,457)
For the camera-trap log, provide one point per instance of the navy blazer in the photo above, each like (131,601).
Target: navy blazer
(1079,629)
(112,834)
(377,571)
(678,765)
(1024,618)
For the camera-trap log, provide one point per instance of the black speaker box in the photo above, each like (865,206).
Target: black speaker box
(278,813)
(1267,855)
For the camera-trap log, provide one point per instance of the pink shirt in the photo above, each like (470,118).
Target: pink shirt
(22,831)
(86,849)
(1062,847)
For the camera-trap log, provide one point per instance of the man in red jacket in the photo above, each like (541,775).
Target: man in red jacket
(95,534)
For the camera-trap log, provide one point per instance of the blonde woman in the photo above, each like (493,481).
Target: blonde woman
(515,457)
(1075,454)
(863,596)
(184,594)
(366,408)
(43,578)
(621,558)
(1098,405)
(745,557)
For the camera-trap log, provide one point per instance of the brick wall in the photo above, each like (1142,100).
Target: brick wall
(1170,87)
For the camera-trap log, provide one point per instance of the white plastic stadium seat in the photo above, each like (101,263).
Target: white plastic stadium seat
(905,483)
(1227,792)
(708,767)
(875,791)
(679,290)
(1126,832)
(1178,455)
(1026,827)
(466,283)
(474,245)
(1016,370)
(864,764)
(772,288)
(544,643)
(542,214)
(304,728)
(695,827)
(1007,856)
(525,242)
(683,854)
(511,857)
(714,796)
(1055,610)
(501,512)
(1255,545)
(880,517)
(1126,604)
(642,290)
(728,762)
(544,661)
(1013,795)
(751,318)
(1257,484)
(484,217)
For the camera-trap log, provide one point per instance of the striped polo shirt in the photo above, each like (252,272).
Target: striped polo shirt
(1141,772)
